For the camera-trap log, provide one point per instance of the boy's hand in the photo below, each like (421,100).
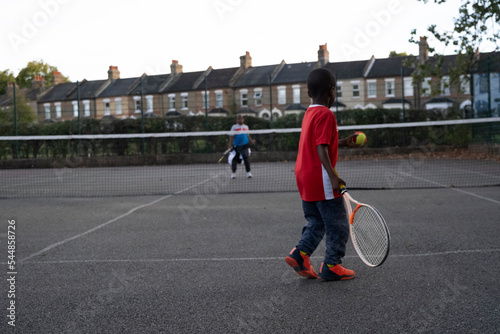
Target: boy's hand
(349,141)
(336,182)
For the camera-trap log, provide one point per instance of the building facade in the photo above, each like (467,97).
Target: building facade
(271,90)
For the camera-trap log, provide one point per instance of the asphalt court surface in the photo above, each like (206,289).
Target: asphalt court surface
(215,264)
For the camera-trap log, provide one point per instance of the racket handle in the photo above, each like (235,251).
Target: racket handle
(343,189)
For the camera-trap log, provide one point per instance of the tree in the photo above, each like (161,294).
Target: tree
(5,77)
(393,54)
(26,75)
(477,22)
(25,114)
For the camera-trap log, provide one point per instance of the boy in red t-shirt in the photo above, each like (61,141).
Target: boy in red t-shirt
(319,185)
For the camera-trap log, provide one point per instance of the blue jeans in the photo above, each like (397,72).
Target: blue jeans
(325,217)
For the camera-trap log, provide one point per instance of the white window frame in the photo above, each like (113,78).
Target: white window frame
(426,87)
(408,86)
(296,94)
(118,105)
(281,95)
(137,104)
(207,102)
(465,84)
(445,81)
(171,102)
(149,103)
(219,99)
(75,108)
(390,87)
(58,109)
(107,107)
(86,108)
(356,90)
(339,89)
(244,97)
(185,100)
(257,96)
(46,107)
(369,84)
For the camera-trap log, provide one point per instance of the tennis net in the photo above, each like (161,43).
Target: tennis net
(454,153)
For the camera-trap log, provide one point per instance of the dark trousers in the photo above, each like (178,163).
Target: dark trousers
(243,150)
(325,217)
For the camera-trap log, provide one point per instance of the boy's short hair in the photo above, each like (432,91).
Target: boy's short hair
(320,81)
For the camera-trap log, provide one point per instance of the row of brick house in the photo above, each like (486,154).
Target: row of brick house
(253,90)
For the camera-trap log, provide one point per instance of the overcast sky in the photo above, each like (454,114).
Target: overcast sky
(83,38)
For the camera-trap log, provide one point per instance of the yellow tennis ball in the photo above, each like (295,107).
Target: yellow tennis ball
(360,138)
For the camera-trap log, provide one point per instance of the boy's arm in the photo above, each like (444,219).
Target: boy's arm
(325,161)
(231,139)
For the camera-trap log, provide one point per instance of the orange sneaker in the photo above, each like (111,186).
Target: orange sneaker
(301,264)
(335,273)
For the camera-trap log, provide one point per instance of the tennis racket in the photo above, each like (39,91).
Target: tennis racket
(224,154)
(369,232)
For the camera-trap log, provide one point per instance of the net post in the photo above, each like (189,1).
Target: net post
(403,102)
(143,148)
(79,118)
(16,129)
(271,101)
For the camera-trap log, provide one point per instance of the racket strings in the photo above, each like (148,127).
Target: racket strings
(370,235)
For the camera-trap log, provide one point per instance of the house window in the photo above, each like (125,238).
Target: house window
(218,99)
(465,84)
(118,103)
(281,95)
(257,96)
(355,88)
(184,97)
(426,87)
(149,103)
(106,107)
(244,97)
(389,87)
(58,109)
(137,104)
(46,107)
(86,108)
(75,108)
(483,83)
(445,85)
(171,102)
(339,90)
(408,86)
(296,93)
(206,99)
(372,88)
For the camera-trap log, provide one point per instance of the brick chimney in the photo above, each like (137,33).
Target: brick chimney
(57,78)
(246,61)
(113,73)
(175,68)
(423,49)
(38,82)
(323,55)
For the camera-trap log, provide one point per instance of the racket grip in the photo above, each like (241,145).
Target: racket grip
(343,189)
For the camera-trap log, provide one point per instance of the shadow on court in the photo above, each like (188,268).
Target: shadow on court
(215,264)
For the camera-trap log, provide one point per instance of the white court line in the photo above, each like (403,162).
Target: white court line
(62,242)
(456,189)
(238,259)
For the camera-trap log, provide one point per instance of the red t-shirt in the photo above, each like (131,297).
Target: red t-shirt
(318,127)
